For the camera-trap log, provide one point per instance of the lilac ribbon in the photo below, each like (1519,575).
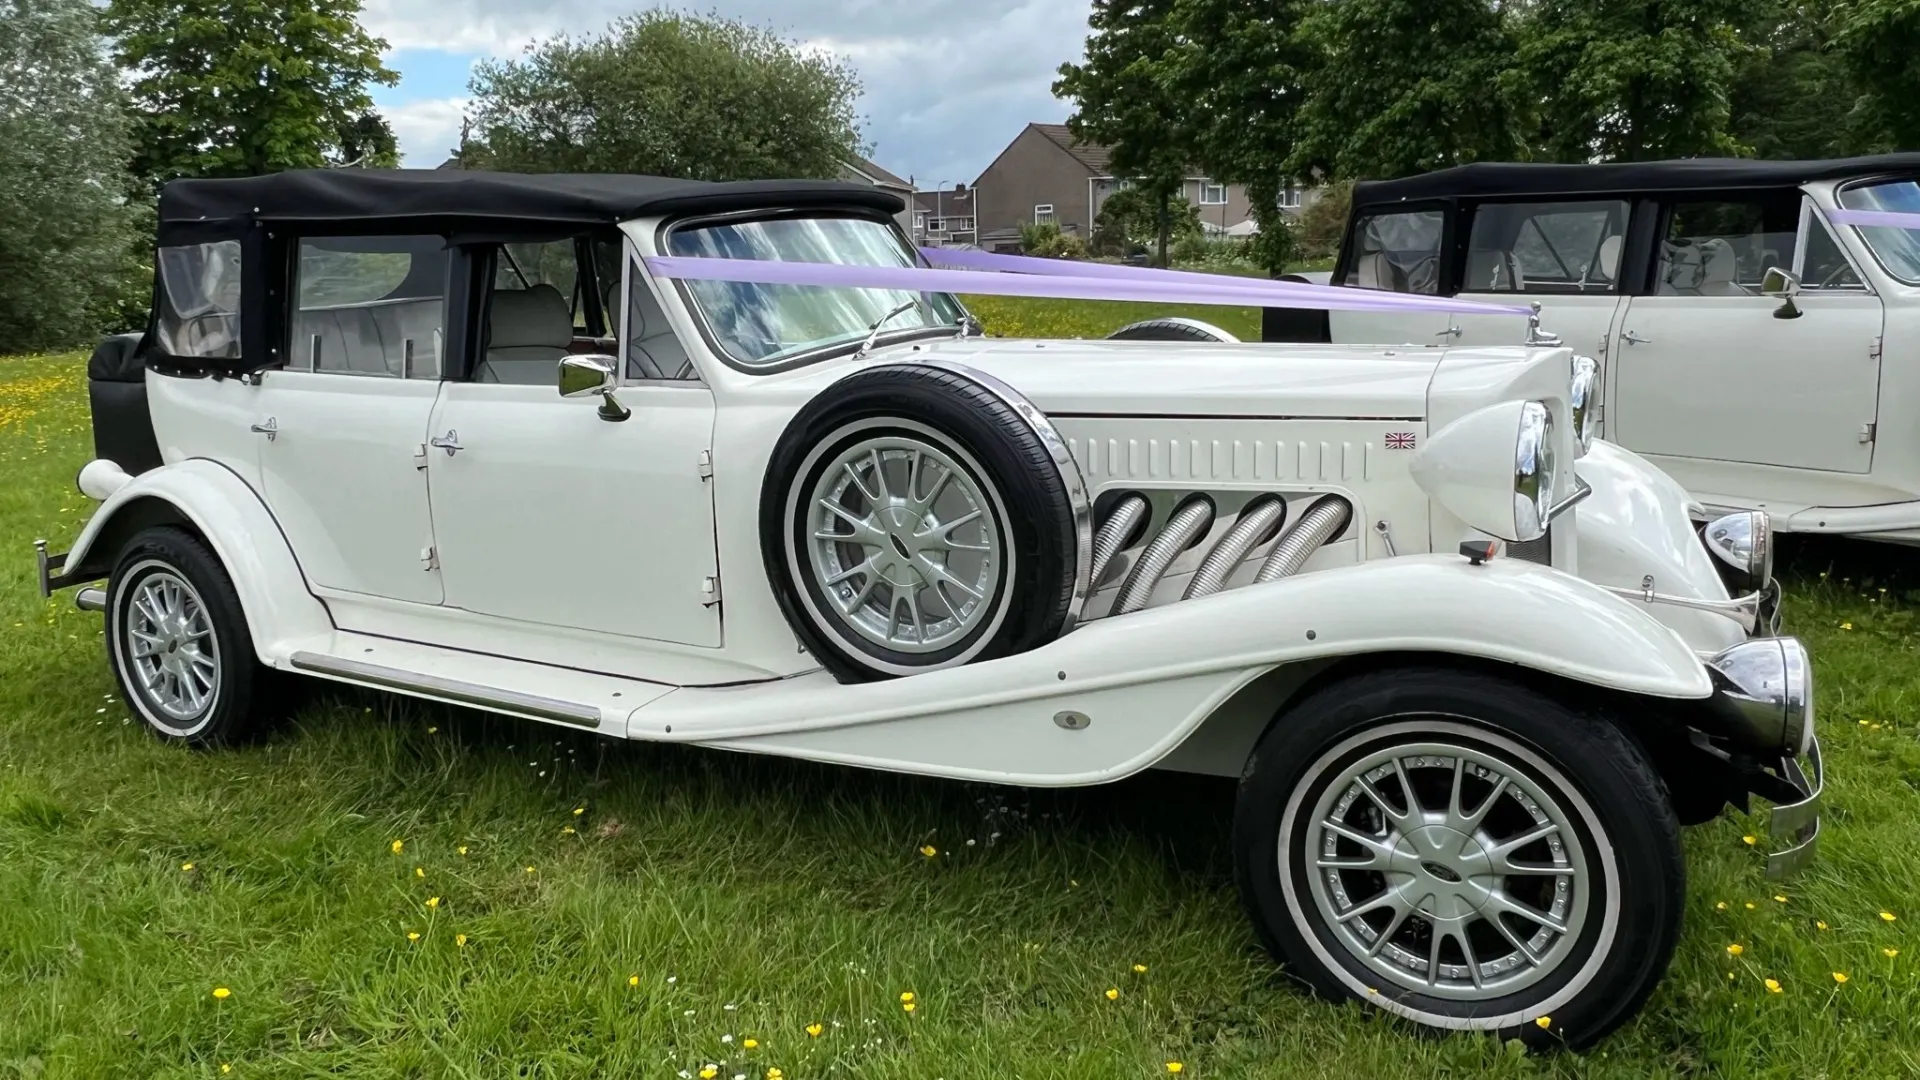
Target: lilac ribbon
(1890,219)
(1132,284)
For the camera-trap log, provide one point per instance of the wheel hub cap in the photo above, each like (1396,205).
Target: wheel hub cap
(169,647)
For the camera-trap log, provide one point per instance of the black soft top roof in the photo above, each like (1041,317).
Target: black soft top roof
(1498,179)
(470,196)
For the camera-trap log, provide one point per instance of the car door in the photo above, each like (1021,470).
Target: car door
(1705,368)
(545,512)
(1563,254)
(1393,251)
(340,427)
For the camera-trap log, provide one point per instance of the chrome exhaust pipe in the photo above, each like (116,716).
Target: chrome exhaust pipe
(1322,522)
(90,599)
(1258,521)
(1120,529)
(1182,530)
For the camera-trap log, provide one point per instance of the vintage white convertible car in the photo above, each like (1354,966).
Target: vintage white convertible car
(1758,322)
(727,464)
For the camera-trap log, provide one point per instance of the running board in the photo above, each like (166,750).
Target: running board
(445,689)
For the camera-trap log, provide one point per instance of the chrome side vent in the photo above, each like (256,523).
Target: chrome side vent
(1183,528)
(1121,528)
(1257,523)
(1323,521)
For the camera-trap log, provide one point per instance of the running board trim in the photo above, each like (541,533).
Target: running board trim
(455,690)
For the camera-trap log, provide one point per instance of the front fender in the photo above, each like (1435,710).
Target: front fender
(236,525)
(1143,682)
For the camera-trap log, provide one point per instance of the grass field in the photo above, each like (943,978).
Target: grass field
(593,909)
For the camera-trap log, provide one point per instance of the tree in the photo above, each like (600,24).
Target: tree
(368,142)
(1132,219)
(65,230)
(1381,101)
(1878,41)
(1631,80)
(1126,98)
(669,95)
(243,87)
(1323,224)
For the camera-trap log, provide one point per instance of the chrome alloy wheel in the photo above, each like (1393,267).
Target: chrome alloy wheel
(1446,867)
(905,543)
(169,646)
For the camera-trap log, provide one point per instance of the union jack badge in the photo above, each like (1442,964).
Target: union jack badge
(1399,440)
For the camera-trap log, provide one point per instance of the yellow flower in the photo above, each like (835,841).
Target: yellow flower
(1139,969)
(398,846)
(568,831)
(1820,924)
(529,869)
(1749,905)
(1773,986)
(708,1072)
(433,902)
(1840,976)
(633,980)
(1721,906)
(1846,626)
(1778,899)
(419,871)
(815,1030)
(909,1006)
(432,730)
(1174,1066)
(186,868)
(225,1068)
(413,935)
(460,940)
(774,1074)
(1888,916)
(1372,990)
(1735,950)
(1749,840)
(578,810)
(1113,993)
(751,1044)
(462,849)
(906,995)
(1890,953)
(929,851)
(1543,1023)
(221,993)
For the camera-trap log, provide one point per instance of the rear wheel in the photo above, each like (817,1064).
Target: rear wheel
(1463,851)
(1175,328)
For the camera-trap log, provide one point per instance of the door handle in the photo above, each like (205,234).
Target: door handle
(450,442)
(1449,332)
(1632,338)
(269,428)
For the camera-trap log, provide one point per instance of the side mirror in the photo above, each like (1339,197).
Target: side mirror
(1783,285)
(585,376)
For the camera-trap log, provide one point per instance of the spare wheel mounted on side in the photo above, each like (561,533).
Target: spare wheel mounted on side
(922,516)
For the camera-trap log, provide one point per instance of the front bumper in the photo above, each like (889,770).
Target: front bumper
(1793,825)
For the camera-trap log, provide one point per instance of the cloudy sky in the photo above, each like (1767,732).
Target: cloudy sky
(948,82)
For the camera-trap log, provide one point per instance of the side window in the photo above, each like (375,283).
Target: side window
(199,309)
(1723,247)
(653,350)
(370,305)
(1399,252)
(1826,265)
(555,263)
(1556,247)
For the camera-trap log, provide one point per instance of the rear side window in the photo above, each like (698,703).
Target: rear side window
(1399,252)
(370,305)
(1546,247)
(199,310)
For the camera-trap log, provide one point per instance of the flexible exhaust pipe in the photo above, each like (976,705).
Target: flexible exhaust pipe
(1257,522)
(1186,525)
(1322,522)
(1120,529)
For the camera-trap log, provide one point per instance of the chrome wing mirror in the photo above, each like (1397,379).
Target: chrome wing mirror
(1782,284)
(587,375)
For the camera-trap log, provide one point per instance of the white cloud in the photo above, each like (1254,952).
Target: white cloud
(947,82)
(428,129)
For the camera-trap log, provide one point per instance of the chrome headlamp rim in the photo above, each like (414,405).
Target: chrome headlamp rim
(1766,691)
(1583,393)
(1744,541)
(1533,472)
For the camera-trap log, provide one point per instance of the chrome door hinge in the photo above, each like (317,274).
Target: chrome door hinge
(1603,345)
(420,455)
(709,591)
(1867,432)
(429,559)
(706,465)
(1873,350)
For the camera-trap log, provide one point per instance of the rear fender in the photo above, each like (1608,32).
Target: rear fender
(210,500)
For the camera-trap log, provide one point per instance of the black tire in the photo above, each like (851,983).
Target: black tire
(991,446)
(1621,916)
(1174,329)
(160,557)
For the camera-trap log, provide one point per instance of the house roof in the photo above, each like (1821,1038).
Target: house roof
(944,201)
(865,167)
(1097,159)
(1488,179)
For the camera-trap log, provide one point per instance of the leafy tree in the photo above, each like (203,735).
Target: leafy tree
(243,87)
(670,95)
(1382,101)
(1791,95)
(1631,80)
(1323,223)
(368,142)
(1133,219)
(65,229)
(1045,240)
(1126,97)
(1879,43)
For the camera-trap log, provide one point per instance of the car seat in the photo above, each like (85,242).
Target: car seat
(528,331)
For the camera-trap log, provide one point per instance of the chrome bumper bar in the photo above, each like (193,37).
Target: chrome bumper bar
(1797,824)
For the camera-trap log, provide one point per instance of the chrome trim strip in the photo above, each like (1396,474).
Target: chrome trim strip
(1800,820)
(455,690)
(90,599)
(1744,610)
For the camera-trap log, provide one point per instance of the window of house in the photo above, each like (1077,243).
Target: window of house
(1716,247)
(1042,213)
(1212,194)
(1397,251)
(1546,247)
(1290,198)
(919,223)
(199,309)
(938,225)
(369,305)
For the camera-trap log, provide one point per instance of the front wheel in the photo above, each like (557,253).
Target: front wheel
(1463,851)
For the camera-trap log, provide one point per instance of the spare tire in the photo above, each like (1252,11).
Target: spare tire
(923,516)
(1171,329)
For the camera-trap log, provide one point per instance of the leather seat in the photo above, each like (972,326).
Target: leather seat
(1720,270)
(1607,266)
(528,331)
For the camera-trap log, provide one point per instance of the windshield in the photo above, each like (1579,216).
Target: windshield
(762,325)
(1897,249)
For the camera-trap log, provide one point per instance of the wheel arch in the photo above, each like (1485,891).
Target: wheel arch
(214,504)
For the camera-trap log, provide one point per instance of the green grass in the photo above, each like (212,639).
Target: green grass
(752,897)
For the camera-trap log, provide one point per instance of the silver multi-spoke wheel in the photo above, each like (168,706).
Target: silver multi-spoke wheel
(1446,867)
(170,646)
(905,543)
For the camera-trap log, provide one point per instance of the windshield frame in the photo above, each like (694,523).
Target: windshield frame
(1860,232)
(711,337)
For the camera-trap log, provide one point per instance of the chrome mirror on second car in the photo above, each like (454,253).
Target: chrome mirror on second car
(1782,284)
(587,375)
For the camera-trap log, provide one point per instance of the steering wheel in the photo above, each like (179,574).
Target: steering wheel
(1839,272)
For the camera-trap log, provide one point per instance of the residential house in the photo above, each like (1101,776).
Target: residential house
(1045,174)
(944,217)
(860,170)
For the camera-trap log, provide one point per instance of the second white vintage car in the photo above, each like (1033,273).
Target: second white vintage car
(671,461)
